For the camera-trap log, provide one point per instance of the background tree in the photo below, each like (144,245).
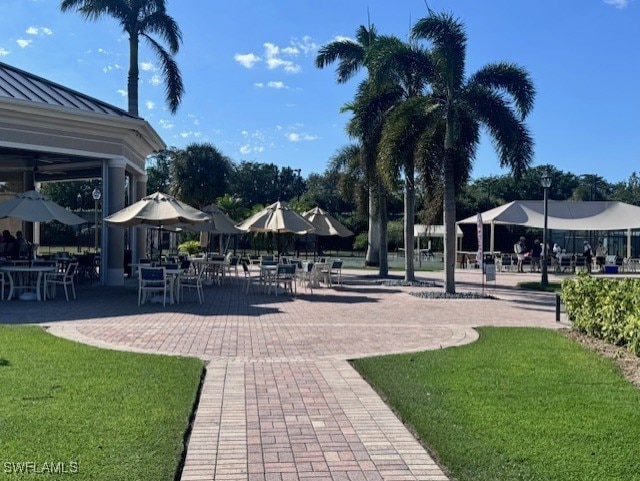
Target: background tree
(159,171)
(200,173)
(141,18)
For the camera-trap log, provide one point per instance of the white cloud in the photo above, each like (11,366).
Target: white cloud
(155,80)
(38,31)
(23,43)
(245,149)
(277,85)
(109,68)
(122,92)
(274,59)
(165,124)
(258,84)
(4,52)
(146,66)
(150,104)
(617,3)
(247,60)
(189,133)
(342,38)
(306,45)
(296,137)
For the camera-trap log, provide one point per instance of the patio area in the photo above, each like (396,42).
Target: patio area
(280,401)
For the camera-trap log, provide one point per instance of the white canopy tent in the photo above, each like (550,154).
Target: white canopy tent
(429,232)
(564,215)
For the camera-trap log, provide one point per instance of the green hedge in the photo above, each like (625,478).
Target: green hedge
(605,308)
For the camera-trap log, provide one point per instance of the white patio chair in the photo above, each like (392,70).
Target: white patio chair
(152,280)
(335,270)
(193,282)
(305,276)
(65,279)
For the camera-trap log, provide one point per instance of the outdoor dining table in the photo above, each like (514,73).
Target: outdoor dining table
(14,270)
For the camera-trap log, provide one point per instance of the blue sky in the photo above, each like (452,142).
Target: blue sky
(253,91)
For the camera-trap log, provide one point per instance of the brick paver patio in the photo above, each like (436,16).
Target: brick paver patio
(280,402)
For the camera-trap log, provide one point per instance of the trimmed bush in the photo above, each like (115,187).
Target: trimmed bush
(605,308)
(192,247)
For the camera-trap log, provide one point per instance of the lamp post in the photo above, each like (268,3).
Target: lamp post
(298,182)
(546,183)
(96,194)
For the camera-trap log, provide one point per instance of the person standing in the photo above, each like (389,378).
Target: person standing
(520,248)
(536,252)
(601,255)
(586,252)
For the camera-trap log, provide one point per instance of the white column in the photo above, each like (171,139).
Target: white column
(113,192)
(139,236)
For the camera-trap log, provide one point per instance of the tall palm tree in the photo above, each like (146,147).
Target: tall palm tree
(404,69)
(497,97)
(141,18)
(351,56)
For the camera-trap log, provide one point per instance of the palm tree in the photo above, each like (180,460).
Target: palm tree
(141,18)
(498,97)
(351,56)
(404,69)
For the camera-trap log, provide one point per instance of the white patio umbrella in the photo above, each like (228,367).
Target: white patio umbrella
(325,224)
(278,217)
(157,210)
(220,224)
(32,206)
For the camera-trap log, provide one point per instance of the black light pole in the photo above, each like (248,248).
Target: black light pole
(546,183)
(298,183)
(96,194)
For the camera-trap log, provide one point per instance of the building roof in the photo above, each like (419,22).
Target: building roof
(20,85)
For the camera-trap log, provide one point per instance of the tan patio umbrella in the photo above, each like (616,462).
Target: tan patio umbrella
(32,206)
(325,224)
(219,224)
(278,218)
(157,210)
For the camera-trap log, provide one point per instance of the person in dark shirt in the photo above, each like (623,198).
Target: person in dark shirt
(536,252)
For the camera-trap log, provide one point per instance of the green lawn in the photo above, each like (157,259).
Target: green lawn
(519,404)
(99,414)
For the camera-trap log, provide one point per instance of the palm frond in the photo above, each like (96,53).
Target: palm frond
(366,36)
(349,54)
(392,60)
(164,26)
(174,88)
(510,135)
(510,78)
(449,42)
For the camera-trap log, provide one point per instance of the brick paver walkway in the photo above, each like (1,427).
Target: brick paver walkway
(280,401)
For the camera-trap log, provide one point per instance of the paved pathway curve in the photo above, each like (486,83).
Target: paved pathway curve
(280,402)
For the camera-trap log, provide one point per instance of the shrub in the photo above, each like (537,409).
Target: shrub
(605,308)
(192,247)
